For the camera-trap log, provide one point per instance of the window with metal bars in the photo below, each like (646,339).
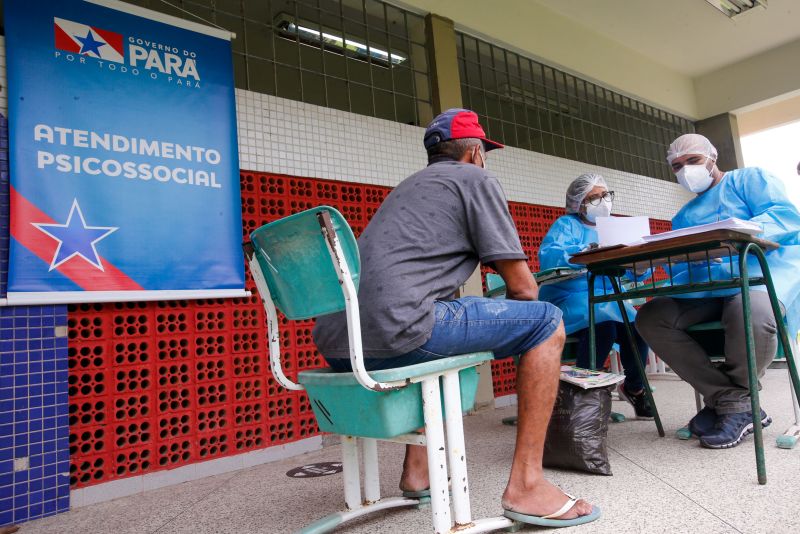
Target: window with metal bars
(362,56)
(530,105)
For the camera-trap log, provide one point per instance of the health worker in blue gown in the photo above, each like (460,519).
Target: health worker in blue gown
(750,194)
(587,199)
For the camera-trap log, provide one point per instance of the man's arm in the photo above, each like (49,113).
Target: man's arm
(766,199)
(520,284)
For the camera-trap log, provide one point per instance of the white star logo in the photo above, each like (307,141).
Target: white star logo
(75,239)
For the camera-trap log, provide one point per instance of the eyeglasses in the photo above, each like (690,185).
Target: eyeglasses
(608,196)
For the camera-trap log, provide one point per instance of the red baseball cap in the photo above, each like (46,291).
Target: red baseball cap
(457,123)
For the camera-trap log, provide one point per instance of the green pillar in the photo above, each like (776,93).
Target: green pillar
(723,132)
(443,62)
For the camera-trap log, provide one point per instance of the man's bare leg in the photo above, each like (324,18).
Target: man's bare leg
(527,491)
(415,469)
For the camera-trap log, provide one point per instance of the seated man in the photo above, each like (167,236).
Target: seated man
(421,245)
(588,197)
(749,194)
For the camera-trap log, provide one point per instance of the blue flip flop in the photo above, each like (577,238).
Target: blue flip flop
(421,494)
(549,521)
(424,493)
(417,494)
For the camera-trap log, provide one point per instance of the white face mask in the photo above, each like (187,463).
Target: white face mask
(602,210)
(695,178)
(483,157)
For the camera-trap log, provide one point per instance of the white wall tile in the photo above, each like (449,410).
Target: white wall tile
(289,137)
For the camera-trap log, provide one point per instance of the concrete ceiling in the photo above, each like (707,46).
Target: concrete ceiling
(688,36)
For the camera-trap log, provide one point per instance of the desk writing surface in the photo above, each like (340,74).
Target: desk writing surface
(696,247)
(557,274)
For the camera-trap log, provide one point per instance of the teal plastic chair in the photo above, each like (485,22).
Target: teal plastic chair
(710,336)
(307,265)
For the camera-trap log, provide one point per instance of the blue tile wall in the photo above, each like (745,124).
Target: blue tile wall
(34,403)
(4,194)
(34,421)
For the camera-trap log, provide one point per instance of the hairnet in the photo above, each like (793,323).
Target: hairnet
(691,144)
(580,187)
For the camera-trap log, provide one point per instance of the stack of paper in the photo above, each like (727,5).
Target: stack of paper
(622,230)
(585,378)
(738,225)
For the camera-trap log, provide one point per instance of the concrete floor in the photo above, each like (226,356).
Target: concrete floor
(659,485)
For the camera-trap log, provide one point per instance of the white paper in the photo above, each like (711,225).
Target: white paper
(738,225)
(622,230)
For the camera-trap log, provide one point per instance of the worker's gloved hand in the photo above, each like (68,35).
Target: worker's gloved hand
(590,246)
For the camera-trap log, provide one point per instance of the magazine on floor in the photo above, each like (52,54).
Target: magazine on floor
(586,378)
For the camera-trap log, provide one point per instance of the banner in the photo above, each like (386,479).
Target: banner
(123,155)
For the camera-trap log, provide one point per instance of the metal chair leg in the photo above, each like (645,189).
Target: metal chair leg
(351,473)
(638,357)
(592,334)
(456,449)
(789,439)
(372,479)
(752,371)
(437,455)
(616,368)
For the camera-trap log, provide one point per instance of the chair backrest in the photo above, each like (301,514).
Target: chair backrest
(493,281)
(297,266)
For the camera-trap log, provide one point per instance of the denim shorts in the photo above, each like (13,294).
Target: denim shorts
(476,324)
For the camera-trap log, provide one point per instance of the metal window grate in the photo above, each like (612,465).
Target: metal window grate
(362,56)
(531,105)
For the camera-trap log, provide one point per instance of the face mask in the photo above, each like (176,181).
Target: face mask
(483,157)
(695,178)
(602,210)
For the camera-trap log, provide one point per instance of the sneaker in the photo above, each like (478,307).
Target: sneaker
(703,423)
(730,429)
(639,402)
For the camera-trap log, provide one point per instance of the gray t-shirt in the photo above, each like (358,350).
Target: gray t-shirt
(420,246)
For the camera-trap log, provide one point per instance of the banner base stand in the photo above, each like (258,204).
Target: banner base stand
(80,297)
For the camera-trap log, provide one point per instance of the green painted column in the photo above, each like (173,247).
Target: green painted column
(723,132)
(443,61)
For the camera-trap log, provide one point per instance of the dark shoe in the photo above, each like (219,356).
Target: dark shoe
(703,423)
(730,429)
(639,402)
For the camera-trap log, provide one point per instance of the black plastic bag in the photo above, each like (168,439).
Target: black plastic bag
(576,436)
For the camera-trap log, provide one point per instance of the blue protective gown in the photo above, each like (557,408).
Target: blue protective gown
(566,237)
(750,194)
